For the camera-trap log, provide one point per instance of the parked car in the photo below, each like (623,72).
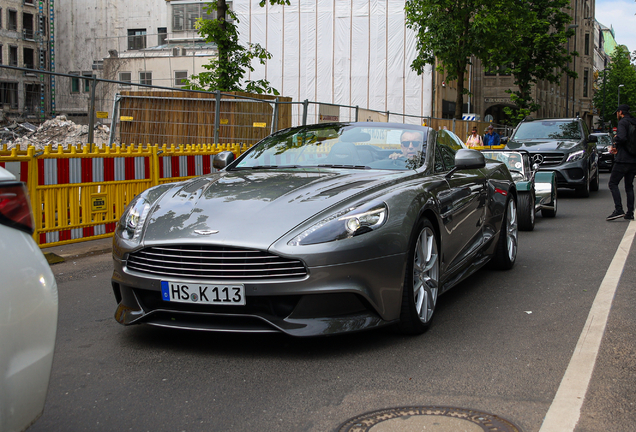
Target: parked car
(315,230)
(605,158)
(536,190)
(564,146)
(28,311)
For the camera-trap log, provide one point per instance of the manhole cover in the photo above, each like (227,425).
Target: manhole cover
(429,418)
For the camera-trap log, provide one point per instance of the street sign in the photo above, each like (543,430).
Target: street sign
(98,202)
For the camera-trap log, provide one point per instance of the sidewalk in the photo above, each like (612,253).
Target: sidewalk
(56,254)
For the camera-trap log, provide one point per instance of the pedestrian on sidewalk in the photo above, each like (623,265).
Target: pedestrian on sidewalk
(474,140)
(624,165)
(491,138)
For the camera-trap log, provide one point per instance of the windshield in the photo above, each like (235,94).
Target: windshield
(548,129)
(340,146)
(513,160)
(604,140)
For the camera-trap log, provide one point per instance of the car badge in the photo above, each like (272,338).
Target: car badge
(205,232)
(538,158)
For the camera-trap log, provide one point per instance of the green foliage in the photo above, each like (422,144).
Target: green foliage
(619,71)
(450,31)
(227,71)
(535,47)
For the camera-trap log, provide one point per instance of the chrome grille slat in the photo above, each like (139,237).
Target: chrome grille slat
(213,262)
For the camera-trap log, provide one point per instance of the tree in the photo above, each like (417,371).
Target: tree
(534,47)
(449,32)
(227,71)
(620,71)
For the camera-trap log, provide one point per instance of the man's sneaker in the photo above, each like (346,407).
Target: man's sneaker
(617,214)
(629,216)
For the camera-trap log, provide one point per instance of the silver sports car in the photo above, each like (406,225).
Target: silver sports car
(316,230)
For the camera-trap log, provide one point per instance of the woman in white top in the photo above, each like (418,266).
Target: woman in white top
(474,140)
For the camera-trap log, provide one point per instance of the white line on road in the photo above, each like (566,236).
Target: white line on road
(565,410)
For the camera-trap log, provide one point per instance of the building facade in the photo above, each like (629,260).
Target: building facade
(570,97)
(26,41)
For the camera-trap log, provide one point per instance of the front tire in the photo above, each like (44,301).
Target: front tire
(584,191)
(506,250)
(526,211)
(421,283)
(595,183)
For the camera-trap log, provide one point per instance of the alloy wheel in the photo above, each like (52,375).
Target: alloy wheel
(512,231)
(425,274)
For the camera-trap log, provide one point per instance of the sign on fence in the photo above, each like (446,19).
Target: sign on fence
(328,113)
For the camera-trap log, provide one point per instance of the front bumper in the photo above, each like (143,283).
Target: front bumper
(330,299)
(570,174)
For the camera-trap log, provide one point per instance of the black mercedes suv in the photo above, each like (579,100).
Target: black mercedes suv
(561,145)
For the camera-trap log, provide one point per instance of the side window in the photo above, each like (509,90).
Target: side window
(586,131)
(448,156)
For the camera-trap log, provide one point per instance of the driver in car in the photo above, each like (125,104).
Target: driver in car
(411,142)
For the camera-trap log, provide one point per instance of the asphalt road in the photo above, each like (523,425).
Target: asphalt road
(500,343)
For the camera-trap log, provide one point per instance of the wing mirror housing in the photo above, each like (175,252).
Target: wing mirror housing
(223,159)
(592,138)
(504,140)
(467,159)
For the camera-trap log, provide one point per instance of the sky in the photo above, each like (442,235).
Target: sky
(620,15)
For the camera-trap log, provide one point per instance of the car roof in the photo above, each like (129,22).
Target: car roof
(551,119)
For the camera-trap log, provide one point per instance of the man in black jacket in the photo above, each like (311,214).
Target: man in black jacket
(624,166)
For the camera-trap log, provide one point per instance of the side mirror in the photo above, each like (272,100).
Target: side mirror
(223,159)
(592,138)
(469,159)
(504,140)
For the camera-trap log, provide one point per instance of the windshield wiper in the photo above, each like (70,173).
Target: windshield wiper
(343,166)
(268,167)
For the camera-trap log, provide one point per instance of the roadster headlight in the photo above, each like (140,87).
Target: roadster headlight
(576,156)
(133,219)
(345,224)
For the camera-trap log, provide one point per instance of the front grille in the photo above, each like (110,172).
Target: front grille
(550,159)
(214,263)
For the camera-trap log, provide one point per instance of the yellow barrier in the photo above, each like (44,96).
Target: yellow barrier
(79,193)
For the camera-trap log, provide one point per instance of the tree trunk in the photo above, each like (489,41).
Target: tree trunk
(459,100)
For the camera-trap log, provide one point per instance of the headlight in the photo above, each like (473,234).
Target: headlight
(576,156)
(133,218)
(345,224)
(132,221)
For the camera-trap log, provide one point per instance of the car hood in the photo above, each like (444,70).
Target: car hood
(539,145)
(251,208)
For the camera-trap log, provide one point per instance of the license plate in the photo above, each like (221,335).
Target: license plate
(218,294)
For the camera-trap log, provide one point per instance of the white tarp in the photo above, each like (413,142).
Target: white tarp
(349,52)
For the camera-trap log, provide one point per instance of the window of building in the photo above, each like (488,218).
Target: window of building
(587,44)
(12,23)
(136,39)
(179,77)
(145,78)
(27,26)
(9,94)
(586,76)
(184,16)
(75,82)
(28,56)
(125,77)
(1,55)
(491,71)
(29,2)
(13,56)
(162,35)
(0,18)
(87,82)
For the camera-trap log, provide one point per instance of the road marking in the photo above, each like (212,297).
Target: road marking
(565,410)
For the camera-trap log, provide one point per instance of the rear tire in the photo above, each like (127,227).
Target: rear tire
(506,250)
(421,282)
(525,211)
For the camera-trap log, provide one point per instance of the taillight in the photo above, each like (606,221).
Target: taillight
(15,209)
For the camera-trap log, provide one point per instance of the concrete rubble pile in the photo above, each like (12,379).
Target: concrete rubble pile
(55,132)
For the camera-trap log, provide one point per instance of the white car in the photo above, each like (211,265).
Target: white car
(28,311)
